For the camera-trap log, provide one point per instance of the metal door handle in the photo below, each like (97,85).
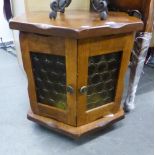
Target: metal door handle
(70,89)
(83,90)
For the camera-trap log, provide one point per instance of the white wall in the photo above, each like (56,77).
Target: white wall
(44,5)
(18,9)
(5,32)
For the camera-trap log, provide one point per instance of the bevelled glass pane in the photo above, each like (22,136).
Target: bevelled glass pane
(102,79)
(50,79)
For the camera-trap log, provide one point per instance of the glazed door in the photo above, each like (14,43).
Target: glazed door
(50,64)
(102,64)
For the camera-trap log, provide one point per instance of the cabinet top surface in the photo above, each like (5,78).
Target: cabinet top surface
(76,24)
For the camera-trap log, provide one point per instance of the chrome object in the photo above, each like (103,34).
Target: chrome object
(83,90)
(70,89)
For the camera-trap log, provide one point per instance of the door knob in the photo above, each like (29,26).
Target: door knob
(84,90)
(70,89)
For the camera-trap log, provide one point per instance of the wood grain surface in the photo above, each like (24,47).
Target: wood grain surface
(75,132)
(76,24)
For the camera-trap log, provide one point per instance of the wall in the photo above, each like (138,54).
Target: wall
(5,32)
(18,9)
(42,5)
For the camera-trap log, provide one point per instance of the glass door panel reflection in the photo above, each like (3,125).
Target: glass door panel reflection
(102,79)
(50,79)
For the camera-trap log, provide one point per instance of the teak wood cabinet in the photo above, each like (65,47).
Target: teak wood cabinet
(76,66)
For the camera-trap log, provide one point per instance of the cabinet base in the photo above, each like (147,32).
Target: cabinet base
(75,132)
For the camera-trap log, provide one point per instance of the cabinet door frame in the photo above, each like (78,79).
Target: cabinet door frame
(98,46)
(56,46)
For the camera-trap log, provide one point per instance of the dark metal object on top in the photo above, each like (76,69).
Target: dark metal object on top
(135,13)
(58,6)
(100,6)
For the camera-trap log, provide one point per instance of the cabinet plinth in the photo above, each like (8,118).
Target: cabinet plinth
(76,67)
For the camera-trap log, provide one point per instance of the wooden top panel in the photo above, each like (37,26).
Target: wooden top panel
(76,24)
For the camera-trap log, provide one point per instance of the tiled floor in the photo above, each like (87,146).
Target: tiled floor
(18,136)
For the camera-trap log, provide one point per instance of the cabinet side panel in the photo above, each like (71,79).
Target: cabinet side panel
(124,65)
(28,69)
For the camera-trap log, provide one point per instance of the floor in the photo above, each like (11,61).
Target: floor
(18,136)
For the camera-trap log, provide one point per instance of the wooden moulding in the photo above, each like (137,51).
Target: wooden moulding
(75,132)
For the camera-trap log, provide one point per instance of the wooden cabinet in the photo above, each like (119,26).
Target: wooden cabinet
(76,67)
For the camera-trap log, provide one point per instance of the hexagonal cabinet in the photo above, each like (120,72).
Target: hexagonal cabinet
(76,66)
